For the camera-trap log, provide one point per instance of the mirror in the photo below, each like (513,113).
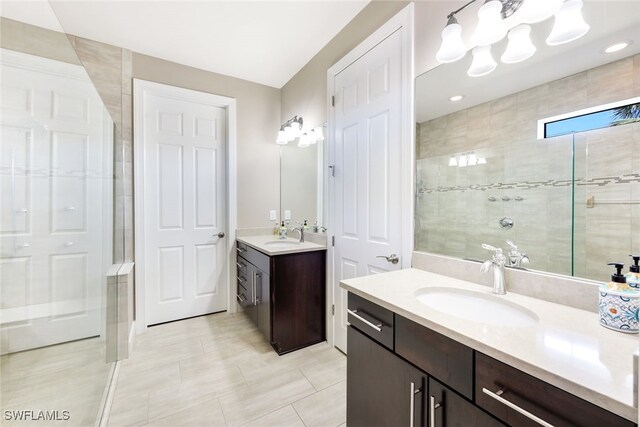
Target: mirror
(302,183)
(485,173)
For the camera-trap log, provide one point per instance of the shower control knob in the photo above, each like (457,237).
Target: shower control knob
(506,223)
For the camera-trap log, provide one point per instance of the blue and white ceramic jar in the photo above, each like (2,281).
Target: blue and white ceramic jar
(619,308)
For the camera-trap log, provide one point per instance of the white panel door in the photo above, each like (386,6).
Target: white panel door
(367,168)
(51,212)
(185,208)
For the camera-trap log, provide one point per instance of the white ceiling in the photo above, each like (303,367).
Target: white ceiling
(611,21)
(266,42)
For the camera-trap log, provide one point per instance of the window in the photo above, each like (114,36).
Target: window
(603,116)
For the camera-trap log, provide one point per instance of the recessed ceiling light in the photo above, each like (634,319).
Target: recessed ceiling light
(456,98)
(617,47)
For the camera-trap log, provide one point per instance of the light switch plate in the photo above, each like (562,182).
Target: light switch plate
(272,215)
(287,215)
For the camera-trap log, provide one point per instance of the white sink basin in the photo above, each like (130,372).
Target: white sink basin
(282,244)
(477,307)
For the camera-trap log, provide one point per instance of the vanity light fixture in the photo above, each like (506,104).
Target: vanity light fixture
(617,47)
(456,98)
(491,28)
(289,131)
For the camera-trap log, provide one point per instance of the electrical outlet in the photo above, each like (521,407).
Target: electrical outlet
(272,215)
(287,215)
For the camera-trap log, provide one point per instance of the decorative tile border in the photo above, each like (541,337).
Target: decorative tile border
(528,185)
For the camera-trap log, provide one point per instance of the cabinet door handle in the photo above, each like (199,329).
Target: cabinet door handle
(432,411)
(241,279)
(377,327)
(498,396)
(240,250)
(240,265)
(241,298)
(412,403)
(255,297)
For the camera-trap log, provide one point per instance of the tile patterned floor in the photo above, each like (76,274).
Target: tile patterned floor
(218,371)
(70,376)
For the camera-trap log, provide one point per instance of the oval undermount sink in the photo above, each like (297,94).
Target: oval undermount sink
(477,307)
(282,244)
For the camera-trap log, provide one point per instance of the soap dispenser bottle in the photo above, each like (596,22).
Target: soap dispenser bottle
(283,231)
(619,303)
(633,276)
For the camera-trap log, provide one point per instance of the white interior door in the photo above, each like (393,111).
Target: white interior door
(184,207)
(51,214)
(367,216)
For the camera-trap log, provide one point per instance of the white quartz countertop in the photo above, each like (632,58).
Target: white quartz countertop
(264,245)
(567,347)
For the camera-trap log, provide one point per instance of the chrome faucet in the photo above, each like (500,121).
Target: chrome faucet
(515,257)
(301,231)
(497,262)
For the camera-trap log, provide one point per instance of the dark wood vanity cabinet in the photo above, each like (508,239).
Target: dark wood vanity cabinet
(297,300)
(440,382)
(553,405)
(380,385)
(284,295)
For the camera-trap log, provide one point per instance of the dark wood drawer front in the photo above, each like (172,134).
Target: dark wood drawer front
(441,357)
(449,409)
(371,319)
(549,403)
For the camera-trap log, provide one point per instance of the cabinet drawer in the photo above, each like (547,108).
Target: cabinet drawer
(371,319)
(441,357)
(542,400)
(242,277)
(254,256)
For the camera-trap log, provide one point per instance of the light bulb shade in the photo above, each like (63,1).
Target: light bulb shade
(520,46)
(463,161)
(472,160)
(569,25)
(282,139)
(483,63)
(453,161)
(533,11)
(452,47)
(289,134)
(491,28)
(303,141)
(319,135)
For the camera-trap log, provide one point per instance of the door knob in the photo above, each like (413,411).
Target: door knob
(393,258)
(221,234)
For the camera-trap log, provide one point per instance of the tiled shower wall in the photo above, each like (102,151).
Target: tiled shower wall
(454,214)
(110,69)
